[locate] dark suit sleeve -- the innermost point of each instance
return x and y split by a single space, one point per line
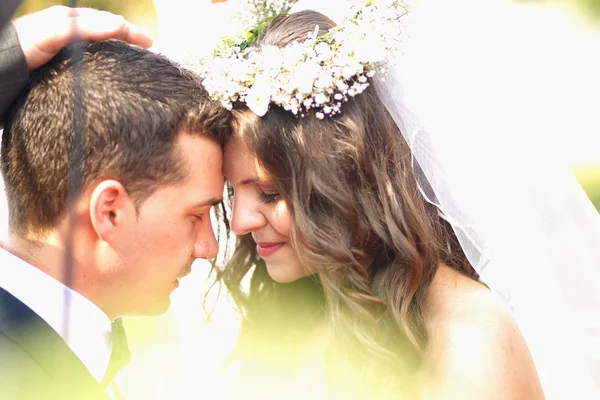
7 9
13 68
21 377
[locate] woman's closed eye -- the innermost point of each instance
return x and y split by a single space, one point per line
268 198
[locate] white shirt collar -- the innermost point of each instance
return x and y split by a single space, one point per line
88 330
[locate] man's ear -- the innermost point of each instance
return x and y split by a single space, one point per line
109 205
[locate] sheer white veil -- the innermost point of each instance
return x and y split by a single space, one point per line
526 226
492 164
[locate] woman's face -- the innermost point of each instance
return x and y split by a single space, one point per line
259 210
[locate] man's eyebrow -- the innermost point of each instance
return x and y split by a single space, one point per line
249 180
210 202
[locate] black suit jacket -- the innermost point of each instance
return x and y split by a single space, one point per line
13 68
35 362
7 9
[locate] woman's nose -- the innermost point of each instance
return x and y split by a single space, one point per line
246 217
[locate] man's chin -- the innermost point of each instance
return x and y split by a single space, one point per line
155 308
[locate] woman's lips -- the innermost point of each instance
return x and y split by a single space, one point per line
266 249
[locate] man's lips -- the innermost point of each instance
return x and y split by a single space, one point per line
184 274
266 249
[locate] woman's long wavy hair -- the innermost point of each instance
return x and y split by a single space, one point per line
359 221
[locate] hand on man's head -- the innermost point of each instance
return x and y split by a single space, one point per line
44 33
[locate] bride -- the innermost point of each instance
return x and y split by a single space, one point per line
362 261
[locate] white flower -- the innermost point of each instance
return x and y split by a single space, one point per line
325 80
324 52
370 49
321 99
270 53
278 97
342 86
258 96
305 75
348 72
336 71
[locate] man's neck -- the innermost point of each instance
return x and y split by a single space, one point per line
82 325
46 255
85 276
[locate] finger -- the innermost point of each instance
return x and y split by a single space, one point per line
93 24
133 34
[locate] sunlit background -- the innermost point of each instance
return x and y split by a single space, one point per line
180 356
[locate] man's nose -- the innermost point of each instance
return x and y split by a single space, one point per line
206 246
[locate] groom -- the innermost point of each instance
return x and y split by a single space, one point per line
91 242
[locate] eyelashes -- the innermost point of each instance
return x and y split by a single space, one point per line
268 198
265 198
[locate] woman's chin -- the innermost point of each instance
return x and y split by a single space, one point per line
286 273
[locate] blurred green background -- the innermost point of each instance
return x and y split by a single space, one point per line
590 8
589 178
143 10
140 12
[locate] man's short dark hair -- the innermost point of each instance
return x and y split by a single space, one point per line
133 105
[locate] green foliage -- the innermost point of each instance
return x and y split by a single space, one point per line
594 194
115 6
590 8
589 178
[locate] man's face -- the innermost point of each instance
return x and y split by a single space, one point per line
172 229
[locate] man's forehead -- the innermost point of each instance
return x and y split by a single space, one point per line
207 203
201 156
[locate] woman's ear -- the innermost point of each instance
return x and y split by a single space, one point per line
109 205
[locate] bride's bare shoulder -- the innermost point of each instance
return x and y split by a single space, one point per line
475 349
452 298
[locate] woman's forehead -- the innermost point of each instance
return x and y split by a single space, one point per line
240 164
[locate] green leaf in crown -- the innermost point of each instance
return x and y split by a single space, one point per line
255 16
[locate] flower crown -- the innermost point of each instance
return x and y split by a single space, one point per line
319 73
